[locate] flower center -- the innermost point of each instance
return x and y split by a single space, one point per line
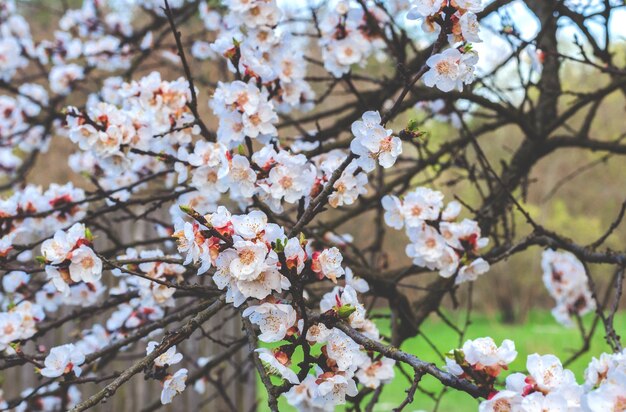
211 177
87 263
502 405
255 119
286 182
444 67
246 256
242 99
385 145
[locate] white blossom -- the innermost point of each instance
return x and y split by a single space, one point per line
276 366
63 359
373 143
167 358
173 385
274 320
424 8
372 374
328 263
450 70
85 265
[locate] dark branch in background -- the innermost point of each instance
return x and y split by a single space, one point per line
193 105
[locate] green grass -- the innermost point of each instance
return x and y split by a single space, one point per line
538 334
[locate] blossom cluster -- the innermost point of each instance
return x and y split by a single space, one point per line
278 176
125 121
481 359
566 280
70 258
94 32
274 176
243 249
30 214
16 114
454 67
549 386
269 67
24 311
243 110
94 36
15 37
172 384
373 144
605 383
17 321
438 240
117 139
72 281
349 36
342 364
253 259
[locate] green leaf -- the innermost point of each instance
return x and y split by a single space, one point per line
241 149
459 356
279 246
345 311
186 209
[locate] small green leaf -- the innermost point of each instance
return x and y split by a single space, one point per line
88 234
459 356
345 311
280 246
186 209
